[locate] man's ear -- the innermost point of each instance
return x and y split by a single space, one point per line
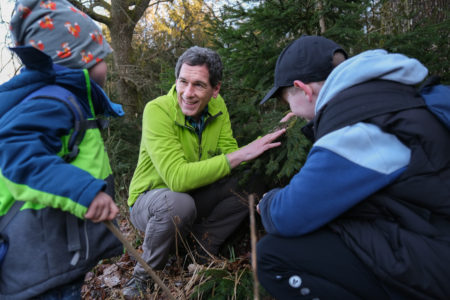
305 87
216 89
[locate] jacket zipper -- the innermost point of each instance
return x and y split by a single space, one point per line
199 135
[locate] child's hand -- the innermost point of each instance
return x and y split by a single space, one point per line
102 208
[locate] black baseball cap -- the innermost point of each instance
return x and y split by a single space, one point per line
309 59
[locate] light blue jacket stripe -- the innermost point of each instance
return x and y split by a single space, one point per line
368 146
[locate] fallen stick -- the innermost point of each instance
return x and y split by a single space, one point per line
251 206
138 257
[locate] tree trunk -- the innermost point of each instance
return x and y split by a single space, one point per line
121 30
121 36
122 19
321 17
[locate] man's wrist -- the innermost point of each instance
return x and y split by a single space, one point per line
234 158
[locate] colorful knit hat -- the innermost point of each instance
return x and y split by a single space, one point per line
56 27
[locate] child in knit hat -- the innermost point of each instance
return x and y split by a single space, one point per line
56 183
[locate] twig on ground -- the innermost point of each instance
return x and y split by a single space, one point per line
136 255
251 207
204 249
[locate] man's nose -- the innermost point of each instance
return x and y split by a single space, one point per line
189 91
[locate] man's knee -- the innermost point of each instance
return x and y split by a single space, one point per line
162 207
183 211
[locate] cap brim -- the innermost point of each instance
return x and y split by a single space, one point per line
269 94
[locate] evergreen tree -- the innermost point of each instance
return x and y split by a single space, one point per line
250 35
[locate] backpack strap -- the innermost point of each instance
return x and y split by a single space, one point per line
12 212
362 102
81 124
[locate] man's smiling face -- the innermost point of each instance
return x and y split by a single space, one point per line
194 90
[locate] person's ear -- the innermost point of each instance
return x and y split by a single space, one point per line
305 87
216 90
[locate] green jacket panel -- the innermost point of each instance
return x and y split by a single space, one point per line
92 158
173 156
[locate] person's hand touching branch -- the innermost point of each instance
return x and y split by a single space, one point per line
287 117
255 148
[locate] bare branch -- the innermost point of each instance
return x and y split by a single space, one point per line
90 10
142 6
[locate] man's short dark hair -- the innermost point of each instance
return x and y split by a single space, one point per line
198 56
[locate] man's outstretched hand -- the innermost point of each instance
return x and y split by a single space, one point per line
102 208
255 148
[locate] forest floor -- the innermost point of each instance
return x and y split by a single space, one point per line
231 271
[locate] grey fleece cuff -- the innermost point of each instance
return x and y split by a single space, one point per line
264 208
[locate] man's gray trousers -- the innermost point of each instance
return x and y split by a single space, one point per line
211 213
